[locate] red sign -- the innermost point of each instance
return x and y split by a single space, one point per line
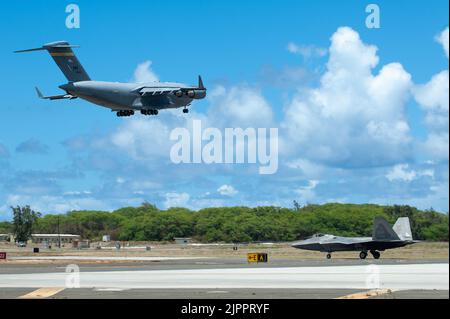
2 255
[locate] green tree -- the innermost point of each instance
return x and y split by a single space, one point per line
23 220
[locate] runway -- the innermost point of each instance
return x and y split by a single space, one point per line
395 277
157 277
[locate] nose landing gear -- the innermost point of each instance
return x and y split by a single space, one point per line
328 256
363 255
185 111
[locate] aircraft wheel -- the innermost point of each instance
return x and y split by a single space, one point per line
363 255
375 254
155 112
328 256
185 111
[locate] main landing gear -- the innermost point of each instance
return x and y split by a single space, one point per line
149 112
375 254
125 113
363 254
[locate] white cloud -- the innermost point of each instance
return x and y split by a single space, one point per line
442 38
239 106
227 190
176 200
144 73
307 51
307 192
434 99
354 118
401 172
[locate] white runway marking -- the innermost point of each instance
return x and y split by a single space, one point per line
395 277
103 258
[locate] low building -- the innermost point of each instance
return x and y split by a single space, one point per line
182 240
5 237
54 238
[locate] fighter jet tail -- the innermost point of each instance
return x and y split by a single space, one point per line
66 60
402 228
382 231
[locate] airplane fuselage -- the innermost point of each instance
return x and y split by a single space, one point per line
128 96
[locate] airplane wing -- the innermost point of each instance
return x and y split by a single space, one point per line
150 91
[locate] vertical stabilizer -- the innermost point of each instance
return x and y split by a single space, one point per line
383 231
66 60
402 228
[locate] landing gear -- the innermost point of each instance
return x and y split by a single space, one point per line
149 112
125 113
375 254
185 111
363 255
328 256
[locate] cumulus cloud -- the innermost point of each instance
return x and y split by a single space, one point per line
227 190
239 106
354 118
32 146
434 99
442 38
176 200
144 73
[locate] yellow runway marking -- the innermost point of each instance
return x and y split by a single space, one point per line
42 293
367 294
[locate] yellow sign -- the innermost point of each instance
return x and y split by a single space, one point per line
257 257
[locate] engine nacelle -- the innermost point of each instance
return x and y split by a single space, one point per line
196 94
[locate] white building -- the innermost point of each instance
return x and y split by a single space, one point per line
54 238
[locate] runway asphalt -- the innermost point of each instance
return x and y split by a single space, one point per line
229 278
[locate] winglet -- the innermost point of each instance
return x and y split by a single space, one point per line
200 83
39 93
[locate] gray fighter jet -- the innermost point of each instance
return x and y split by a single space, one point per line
383 237
122 98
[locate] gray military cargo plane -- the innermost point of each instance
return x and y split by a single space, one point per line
122 98
383 237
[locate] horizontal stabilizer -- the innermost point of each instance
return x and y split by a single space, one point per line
54 97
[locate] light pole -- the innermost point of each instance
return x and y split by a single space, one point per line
59 236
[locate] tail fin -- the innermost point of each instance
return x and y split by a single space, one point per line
200 83
66 60
383 231
403 229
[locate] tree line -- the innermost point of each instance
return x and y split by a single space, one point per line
237 224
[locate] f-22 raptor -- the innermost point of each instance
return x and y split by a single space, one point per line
122 98
383 237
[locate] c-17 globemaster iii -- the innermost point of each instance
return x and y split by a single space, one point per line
383 237
122 98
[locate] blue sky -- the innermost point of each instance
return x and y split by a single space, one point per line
388 146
